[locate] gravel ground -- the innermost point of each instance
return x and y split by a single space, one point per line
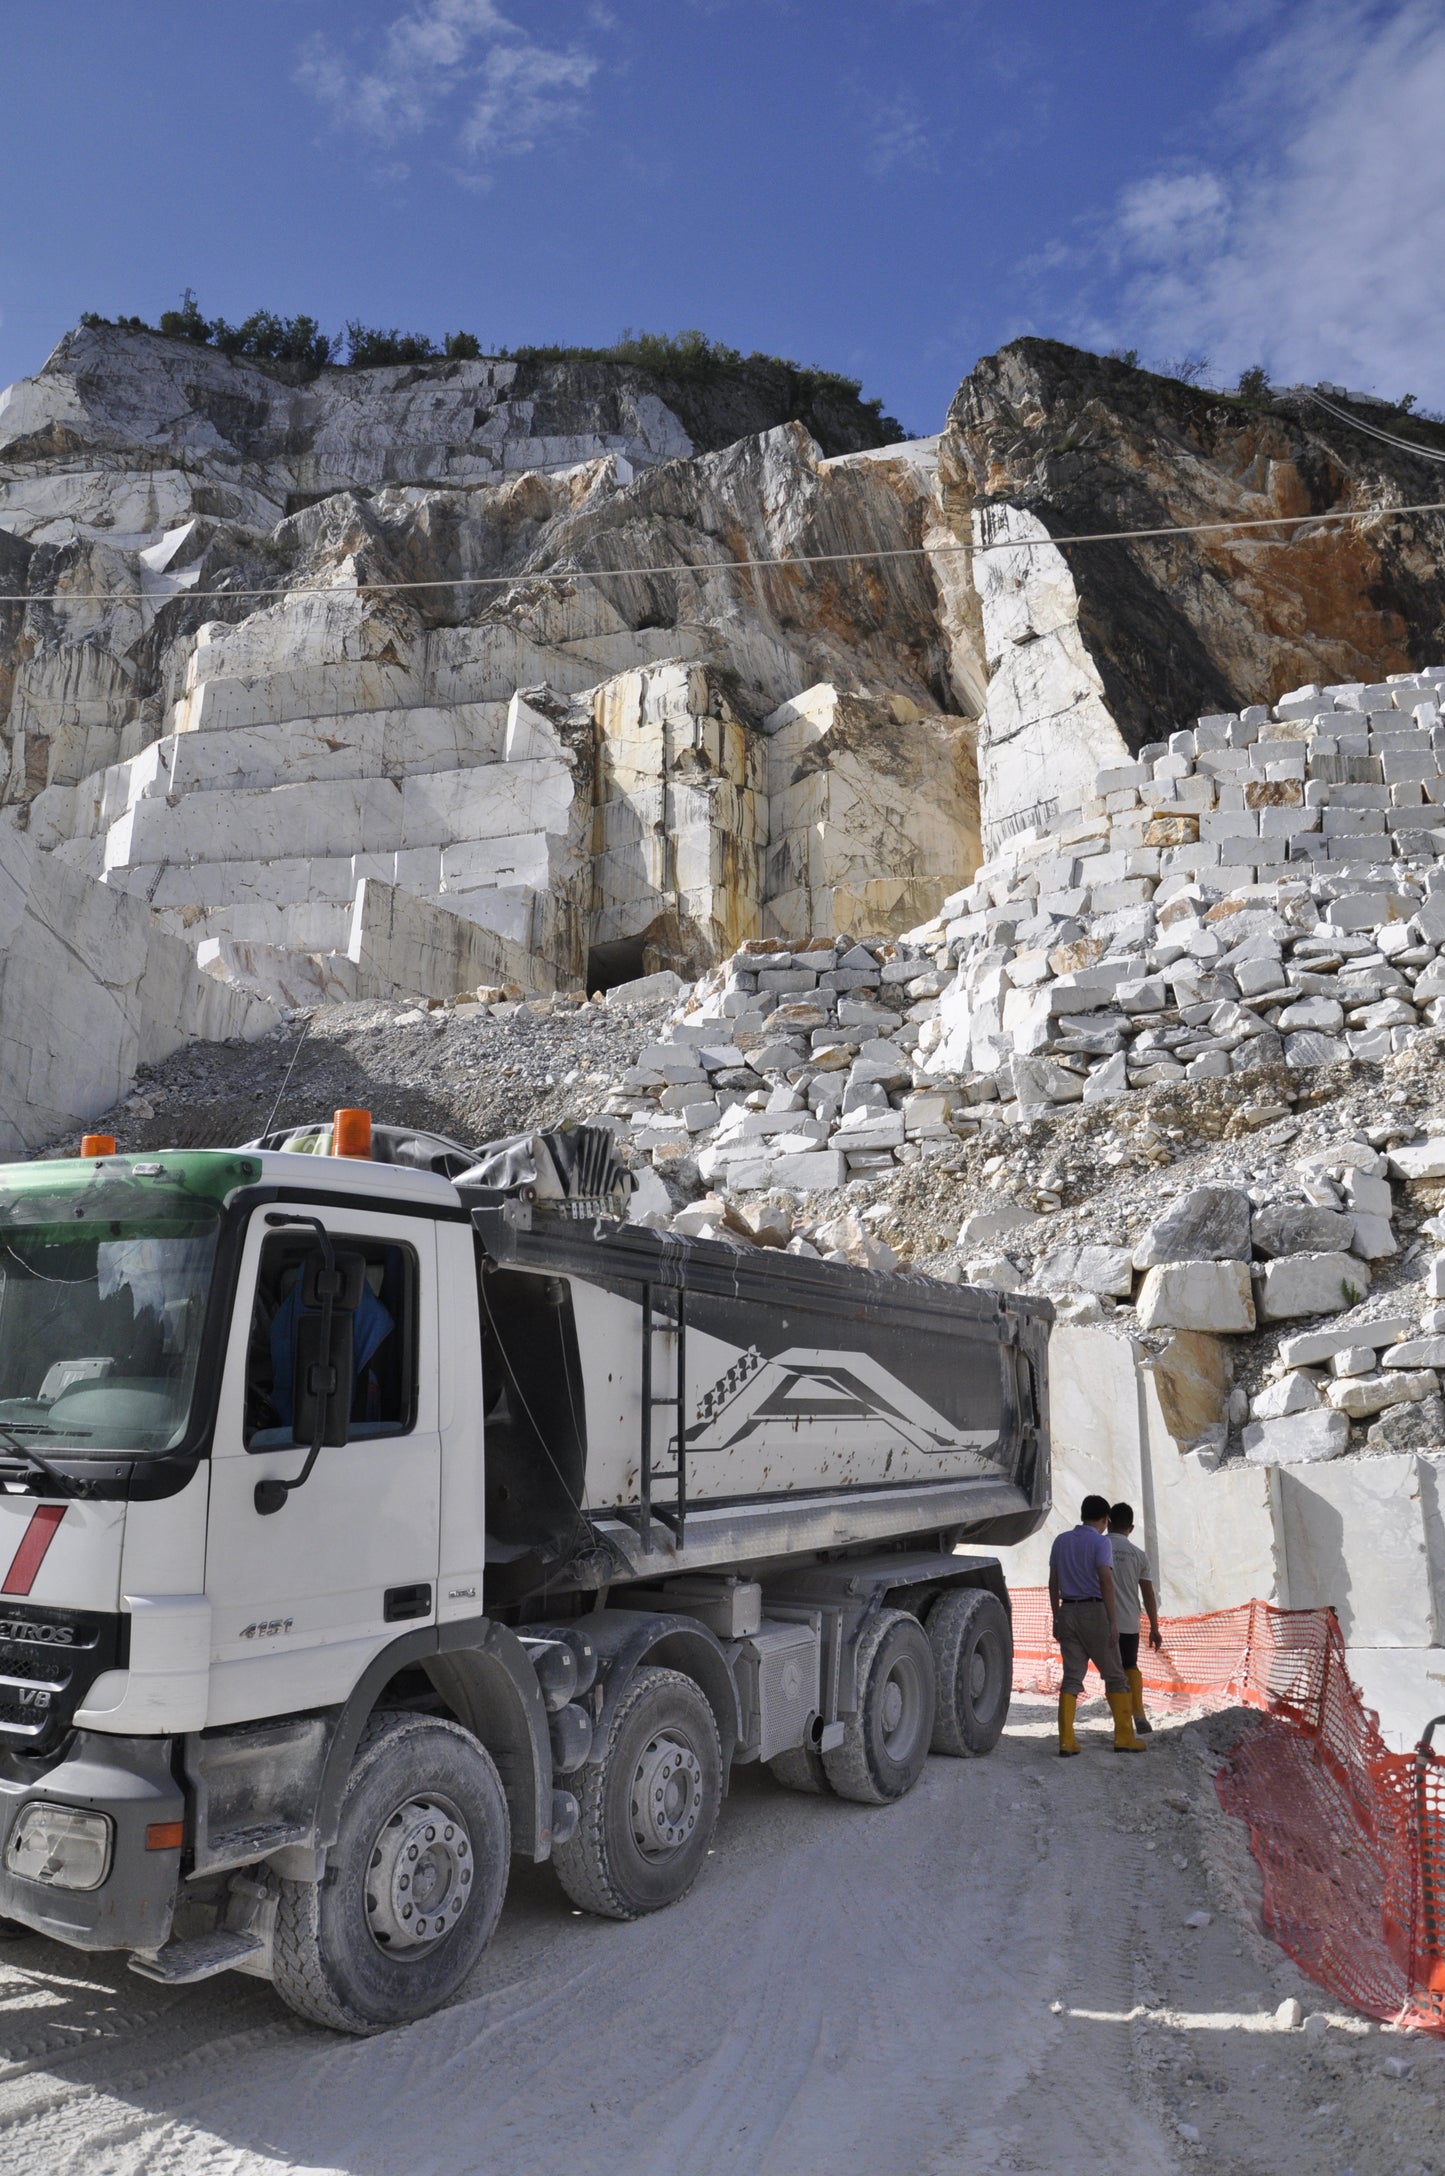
994 1975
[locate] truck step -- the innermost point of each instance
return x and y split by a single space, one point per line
179 1963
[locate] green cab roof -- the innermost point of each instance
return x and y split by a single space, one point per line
164 1185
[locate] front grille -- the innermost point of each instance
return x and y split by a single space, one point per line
49 1659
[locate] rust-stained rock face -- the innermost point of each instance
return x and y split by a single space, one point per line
1045 441
1087 443
1193 1376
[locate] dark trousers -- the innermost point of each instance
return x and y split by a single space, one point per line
1129 1650
1082 1631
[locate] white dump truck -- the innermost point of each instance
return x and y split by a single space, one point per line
375 1510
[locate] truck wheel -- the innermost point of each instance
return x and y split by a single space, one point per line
801 1769
412 1888
886 1742
973 1648
650 1805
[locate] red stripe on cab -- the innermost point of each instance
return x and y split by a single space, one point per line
34 1542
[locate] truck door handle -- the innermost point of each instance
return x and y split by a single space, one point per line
399 1603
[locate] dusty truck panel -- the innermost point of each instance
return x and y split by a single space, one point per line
378 1510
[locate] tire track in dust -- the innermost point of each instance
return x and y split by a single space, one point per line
100 2107
321 2081
768 2052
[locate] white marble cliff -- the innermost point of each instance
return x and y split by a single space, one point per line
497 656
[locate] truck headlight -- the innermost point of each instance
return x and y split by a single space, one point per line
61 1846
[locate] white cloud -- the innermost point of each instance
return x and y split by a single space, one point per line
1170 212
898 136
526 90
1316 248
457 62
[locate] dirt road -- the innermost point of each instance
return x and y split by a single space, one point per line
994 1975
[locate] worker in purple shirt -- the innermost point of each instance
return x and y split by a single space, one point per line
1081 1595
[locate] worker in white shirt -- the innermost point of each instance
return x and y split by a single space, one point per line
1133 1580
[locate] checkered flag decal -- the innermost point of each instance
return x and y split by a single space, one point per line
728 1385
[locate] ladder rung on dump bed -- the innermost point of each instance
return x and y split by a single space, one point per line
673 1515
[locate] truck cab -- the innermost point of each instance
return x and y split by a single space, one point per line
368 1519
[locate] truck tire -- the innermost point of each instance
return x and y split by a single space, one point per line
423 1823
972 1642
886 1742
650 1805
801 1769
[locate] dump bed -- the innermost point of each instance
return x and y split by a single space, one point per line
816 1406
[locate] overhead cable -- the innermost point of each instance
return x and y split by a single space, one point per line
1372 430
563 572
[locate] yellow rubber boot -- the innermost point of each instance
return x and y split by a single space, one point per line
1068 1743
1143 1728
1124 1738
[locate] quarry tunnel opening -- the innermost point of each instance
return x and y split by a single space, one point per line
626 960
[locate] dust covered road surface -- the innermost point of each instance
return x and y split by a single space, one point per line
993 1975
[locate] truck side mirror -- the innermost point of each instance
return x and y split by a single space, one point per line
322 1377
324 1368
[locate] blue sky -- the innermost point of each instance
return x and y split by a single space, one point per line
885 187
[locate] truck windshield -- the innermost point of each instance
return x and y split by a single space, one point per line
103 1293
100 1328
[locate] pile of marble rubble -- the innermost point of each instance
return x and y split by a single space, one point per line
1261 890
782 1081
1265 888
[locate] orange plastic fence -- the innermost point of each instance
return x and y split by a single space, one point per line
1349 1837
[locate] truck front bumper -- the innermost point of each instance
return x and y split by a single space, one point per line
128 1780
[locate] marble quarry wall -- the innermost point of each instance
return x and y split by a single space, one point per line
90 989
708 754
598 778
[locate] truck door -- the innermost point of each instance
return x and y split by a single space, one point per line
302 1598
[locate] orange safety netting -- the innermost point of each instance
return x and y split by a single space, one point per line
1349 1837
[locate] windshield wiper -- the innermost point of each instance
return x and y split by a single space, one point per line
39 1428
64 1484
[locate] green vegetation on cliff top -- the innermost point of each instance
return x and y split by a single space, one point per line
683 356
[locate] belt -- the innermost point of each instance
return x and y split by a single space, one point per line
1080 1601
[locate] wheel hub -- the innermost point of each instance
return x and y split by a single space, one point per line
666 1796
420 1876
977 1674
897 1708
